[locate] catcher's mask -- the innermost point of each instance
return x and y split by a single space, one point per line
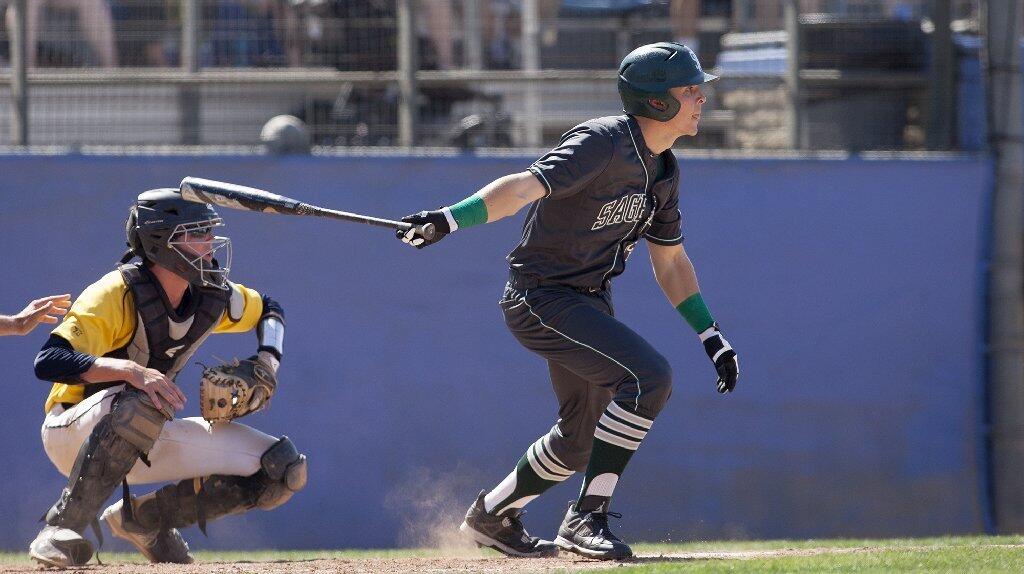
178 235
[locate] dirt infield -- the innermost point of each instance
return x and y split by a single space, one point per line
465 562
332 565
410 565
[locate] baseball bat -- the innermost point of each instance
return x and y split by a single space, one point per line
252 199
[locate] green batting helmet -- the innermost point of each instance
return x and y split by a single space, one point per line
650 71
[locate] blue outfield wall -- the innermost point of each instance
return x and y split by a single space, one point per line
851 288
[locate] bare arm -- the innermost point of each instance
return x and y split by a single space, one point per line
505 196
150 381
674 272
107 369
57 361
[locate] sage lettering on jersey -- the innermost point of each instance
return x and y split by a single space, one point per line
626 209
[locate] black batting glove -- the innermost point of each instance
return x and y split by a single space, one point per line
721 354
414 238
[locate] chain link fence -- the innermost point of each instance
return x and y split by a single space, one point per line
796 74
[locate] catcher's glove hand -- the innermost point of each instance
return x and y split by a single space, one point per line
236 389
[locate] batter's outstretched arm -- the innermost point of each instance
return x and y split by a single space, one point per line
501 198
674 273
507 195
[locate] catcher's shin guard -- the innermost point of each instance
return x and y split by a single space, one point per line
191 501
282 474
104 459
156 543
112 449
173 506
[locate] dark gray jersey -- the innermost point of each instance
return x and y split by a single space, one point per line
602 197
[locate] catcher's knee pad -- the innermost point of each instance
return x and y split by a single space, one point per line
284 474
106 457
136 419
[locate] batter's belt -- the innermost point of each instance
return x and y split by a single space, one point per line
524 281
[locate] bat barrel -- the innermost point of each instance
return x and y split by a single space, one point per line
252 199
235 196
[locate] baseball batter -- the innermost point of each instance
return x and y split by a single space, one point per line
109 416
610 182
42 310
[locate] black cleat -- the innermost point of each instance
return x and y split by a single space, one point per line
504 533
587 534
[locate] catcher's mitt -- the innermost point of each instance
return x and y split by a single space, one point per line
236 389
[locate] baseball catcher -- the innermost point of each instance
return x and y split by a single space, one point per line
110 414
609 183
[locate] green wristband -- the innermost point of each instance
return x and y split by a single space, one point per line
469 212
696 312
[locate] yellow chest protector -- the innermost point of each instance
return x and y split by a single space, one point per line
164 338
168 339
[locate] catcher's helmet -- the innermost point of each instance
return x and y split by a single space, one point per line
649 71
158 228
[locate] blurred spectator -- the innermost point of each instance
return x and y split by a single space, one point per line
93 19
684 15
499 34
700 24
235 33
902 9
349 34
148 32
498 25
501 21
245 33
440 18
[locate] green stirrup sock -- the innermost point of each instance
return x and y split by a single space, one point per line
537 471
696 312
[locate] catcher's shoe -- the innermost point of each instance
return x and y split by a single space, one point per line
60 547
587 534
158 545
504 533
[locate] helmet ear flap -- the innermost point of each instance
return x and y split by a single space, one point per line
131 232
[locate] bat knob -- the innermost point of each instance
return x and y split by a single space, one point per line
427 231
